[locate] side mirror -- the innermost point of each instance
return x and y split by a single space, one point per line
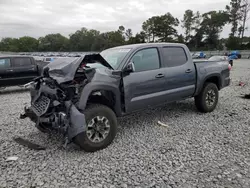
130 67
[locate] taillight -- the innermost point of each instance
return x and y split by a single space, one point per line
229 67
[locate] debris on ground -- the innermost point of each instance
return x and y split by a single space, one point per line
242 84
28 144
232 113
12 158
246 96
162 124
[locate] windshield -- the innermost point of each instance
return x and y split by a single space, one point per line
115 56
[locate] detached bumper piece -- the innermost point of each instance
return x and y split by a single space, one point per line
28 144
77 122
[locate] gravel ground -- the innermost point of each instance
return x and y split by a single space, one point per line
195 150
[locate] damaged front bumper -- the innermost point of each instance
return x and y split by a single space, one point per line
70 123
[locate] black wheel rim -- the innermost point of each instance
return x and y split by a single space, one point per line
98 129
210 98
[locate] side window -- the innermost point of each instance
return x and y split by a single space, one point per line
4 63
21 62
147 59
174 56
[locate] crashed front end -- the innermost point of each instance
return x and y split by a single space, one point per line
52 109
55 94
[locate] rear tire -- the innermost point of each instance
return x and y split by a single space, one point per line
99 114
207 99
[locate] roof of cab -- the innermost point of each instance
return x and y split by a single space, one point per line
9 56
133 46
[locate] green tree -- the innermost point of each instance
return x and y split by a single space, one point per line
53 42
196 40
82 40
113 38
121 29
188 23
180 39
244 15
149 28
28 44
234 14
212 25
138 38
233 43
9 44
166 27
128 34
161 27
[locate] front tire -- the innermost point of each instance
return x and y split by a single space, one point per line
101 125
207 99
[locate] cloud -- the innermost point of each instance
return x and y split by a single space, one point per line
40 17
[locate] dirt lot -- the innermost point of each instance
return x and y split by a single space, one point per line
195 150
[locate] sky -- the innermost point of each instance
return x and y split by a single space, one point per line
37 18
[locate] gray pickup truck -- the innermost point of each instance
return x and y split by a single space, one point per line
83 96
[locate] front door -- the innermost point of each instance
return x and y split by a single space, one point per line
144 87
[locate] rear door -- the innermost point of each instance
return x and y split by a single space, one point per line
180 73
145 86
24 69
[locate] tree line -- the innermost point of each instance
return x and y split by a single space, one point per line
202 32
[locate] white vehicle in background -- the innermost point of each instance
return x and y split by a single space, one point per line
221 58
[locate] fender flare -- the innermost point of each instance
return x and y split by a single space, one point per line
217 75
96 86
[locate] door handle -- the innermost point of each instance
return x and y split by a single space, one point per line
188 71
159 75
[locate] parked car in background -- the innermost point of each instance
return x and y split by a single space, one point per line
48 59
18 70
221 58
199 55
235 55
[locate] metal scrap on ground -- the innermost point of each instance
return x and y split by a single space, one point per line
28 144
246 96
12 158
162 124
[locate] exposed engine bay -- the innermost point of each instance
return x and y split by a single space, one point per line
55 94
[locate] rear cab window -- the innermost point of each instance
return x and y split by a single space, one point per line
174 56
21 62
5 63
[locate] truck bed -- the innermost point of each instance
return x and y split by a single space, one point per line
217 69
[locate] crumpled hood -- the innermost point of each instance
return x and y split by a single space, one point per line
64 69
